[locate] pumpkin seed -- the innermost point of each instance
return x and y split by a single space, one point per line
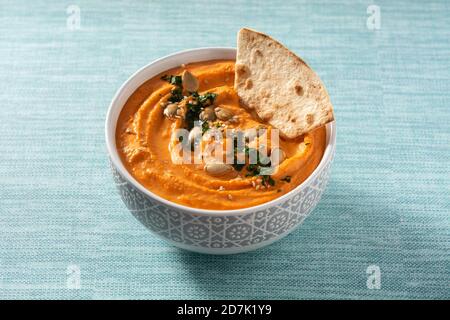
171 110
180 112
190 82
218 169
208 114
223 113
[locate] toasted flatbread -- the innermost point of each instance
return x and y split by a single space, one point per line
279 86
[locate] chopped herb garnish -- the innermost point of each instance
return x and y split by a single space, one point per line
176 95
177 92
205 127
238 166
195 107
207 99
267 180
175 80
253 170
287 179
192 115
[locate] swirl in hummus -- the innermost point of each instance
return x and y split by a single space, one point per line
144 139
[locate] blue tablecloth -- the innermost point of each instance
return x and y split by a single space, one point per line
64 232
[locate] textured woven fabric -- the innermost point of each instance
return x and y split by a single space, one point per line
64 232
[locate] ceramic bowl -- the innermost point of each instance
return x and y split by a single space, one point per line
211 231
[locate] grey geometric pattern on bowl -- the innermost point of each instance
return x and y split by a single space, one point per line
227 233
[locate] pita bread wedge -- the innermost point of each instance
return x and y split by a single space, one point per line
279 86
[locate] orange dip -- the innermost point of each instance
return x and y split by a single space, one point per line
144 134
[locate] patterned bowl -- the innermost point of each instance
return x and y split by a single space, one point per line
211 231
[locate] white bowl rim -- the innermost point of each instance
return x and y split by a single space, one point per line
110 132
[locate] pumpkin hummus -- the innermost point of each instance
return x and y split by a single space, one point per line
144 138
